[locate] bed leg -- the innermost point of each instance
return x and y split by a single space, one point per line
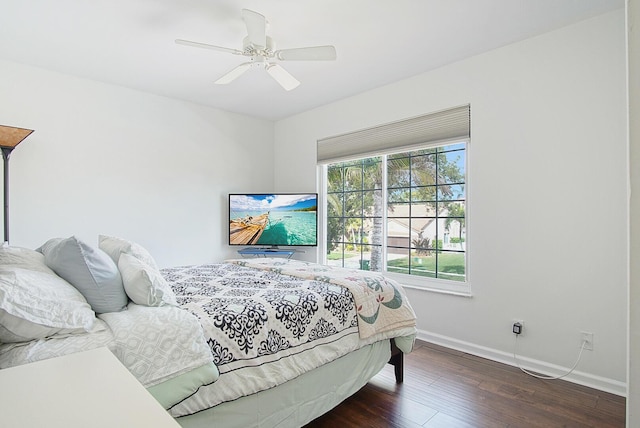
397 361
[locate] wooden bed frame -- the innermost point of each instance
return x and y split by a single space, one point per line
397 361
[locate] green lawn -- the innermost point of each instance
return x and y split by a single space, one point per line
338 256
450 266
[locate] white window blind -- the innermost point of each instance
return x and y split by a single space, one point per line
434 128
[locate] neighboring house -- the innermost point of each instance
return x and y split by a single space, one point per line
403 232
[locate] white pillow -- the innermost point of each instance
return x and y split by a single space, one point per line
88 269
144 284
35 305
115 246
23 257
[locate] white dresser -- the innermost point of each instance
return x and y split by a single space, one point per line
87 389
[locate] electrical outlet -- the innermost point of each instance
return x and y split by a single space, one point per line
587 339
517 327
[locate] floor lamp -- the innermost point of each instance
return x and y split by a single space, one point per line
10 137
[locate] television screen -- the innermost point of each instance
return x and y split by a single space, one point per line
273 219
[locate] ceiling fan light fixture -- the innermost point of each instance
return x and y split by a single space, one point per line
260 48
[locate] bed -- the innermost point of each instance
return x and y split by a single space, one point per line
248 342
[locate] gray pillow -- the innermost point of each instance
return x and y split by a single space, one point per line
88 269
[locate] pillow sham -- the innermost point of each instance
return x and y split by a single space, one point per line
35 305
115 246
89 270
144 284
23 257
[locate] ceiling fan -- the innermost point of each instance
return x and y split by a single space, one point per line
261 51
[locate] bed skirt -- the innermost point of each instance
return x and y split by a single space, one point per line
301 400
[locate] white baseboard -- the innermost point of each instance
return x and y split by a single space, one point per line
542 367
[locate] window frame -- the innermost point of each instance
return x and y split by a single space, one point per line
460 288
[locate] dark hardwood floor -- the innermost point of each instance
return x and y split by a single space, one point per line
448 388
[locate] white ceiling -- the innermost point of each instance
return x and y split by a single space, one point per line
131 42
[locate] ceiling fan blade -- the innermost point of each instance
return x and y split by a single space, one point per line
233 74
282 76
256 27
314 53
207 46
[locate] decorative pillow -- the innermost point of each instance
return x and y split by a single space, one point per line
35 305
144 284
90 270
23 257
115 246
51 243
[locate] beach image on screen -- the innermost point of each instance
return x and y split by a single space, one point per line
273 219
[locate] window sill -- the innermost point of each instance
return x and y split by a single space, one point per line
443 287
439 290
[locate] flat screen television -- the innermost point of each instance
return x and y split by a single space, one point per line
273 219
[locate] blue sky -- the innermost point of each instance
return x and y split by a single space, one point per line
272 202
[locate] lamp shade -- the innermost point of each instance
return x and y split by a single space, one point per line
11 136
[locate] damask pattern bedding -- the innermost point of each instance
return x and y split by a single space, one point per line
265 327
380 302
262 326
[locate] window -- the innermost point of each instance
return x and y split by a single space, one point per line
426 212
400 213
355 213
396 201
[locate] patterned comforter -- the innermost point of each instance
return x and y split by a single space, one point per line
265 326
380 302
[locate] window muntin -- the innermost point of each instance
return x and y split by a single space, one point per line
402 213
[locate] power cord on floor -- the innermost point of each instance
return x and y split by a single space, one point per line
515 357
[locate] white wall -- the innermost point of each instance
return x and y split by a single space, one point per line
548 225
106 159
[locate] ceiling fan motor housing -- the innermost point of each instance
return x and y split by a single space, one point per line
250 49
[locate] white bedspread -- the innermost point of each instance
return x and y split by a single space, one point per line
15 354
155 344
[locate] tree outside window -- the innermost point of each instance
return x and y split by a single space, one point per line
424 216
